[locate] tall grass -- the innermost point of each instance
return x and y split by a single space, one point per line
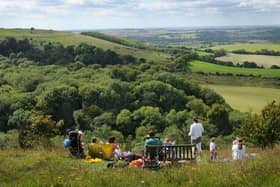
53 167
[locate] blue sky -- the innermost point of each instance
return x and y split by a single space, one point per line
100 14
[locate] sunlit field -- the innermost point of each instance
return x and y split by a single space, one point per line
199 66
261 60
251 47
247 99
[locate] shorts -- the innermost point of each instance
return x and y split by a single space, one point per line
197 143
198 146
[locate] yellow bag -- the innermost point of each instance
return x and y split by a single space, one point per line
96 160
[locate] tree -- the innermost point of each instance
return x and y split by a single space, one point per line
159 94
5 112
103 132
150 117
182 61
21 120
84 117
220 52
125 123
197 105
218 115
44 127
60 103
210 97
107 118
262 129
32 29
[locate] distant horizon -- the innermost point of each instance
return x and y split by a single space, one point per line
186 27
154 28
121 14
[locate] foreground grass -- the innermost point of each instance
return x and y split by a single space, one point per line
251 47
199 66
45 168
247 99
69 38
264 60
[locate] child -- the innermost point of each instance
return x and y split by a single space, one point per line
212 149
238 150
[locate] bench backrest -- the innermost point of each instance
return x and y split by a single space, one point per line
170 153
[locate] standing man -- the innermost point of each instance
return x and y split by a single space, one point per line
195 133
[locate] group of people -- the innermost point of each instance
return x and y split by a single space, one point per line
196 130
195 133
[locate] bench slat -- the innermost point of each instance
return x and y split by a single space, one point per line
170 153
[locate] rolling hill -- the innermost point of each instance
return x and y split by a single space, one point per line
70 38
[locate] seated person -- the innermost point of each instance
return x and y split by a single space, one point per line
167 142
238 150
94 140
152 140
116 148
76 146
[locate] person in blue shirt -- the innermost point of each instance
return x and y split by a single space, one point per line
152 140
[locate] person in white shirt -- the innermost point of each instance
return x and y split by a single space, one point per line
195 133
212 149
238 150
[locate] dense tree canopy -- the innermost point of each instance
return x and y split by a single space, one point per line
50 89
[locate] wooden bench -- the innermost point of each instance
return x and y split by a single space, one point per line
154 154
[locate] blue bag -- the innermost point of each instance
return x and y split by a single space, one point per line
67 143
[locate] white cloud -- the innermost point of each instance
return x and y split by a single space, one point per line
206 5
122 12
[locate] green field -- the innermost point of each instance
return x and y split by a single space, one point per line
251 47
199 66
247 99
264 60
69 38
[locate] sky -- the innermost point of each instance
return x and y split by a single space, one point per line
108 14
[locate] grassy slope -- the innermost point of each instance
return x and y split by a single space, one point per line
68 38
247 99
115 39
199 66
54 168
249 47
266 61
